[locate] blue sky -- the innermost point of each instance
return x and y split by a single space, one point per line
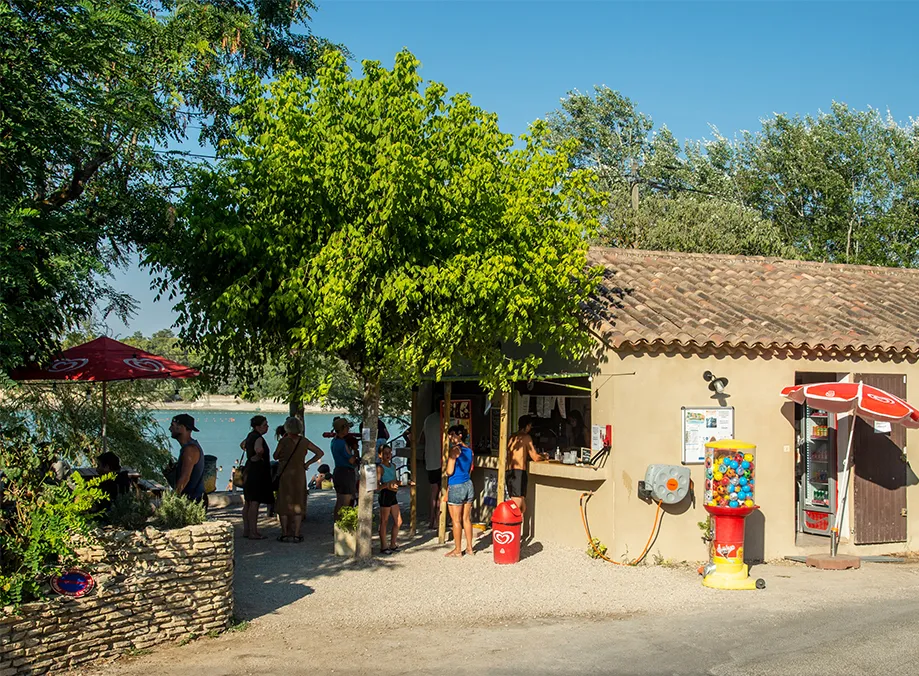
688 65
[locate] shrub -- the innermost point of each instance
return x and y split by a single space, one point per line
347 519
41 521
129 512
597 549
177 511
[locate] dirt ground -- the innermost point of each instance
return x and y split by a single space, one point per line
305 611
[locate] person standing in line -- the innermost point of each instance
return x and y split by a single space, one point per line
190 482
432 440
388 487
459 490
344 478
257 489
520 450
291 457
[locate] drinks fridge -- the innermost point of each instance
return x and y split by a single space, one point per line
817 483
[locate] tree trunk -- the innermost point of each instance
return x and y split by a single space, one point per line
295 390
368 459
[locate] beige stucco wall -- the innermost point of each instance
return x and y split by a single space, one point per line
641 395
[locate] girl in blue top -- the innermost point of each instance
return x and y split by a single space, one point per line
459 490
388 486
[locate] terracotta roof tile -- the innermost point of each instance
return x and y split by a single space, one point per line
665 298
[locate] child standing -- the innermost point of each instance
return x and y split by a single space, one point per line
388 486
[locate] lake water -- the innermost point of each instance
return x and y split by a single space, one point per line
221 432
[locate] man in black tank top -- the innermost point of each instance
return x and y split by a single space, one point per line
190 482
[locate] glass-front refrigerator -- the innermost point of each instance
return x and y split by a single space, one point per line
817 442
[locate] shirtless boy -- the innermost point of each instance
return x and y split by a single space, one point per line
520 451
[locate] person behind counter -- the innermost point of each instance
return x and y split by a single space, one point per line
520 450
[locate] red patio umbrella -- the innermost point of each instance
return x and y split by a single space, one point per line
870 403
104 360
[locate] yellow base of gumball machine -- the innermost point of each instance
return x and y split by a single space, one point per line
727 575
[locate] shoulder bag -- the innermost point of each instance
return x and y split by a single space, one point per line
276 480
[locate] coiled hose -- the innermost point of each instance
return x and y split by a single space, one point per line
590 540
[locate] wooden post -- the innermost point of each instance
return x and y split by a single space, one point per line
413 520
104 416
502 445
445 447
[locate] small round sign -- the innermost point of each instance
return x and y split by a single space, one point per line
75 583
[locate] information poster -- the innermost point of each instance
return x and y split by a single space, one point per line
495 429
461 414
701 425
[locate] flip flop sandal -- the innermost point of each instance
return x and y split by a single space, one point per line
283 538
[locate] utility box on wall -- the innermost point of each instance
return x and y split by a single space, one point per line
666 483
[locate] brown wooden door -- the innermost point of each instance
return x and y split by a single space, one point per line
880 472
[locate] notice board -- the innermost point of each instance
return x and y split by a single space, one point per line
701 425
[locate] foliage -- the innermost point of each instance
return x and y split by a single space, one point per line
93 92
347 519
840 186
707 528
129 511
688 200
843 186
177 511
596 549
40 520
71 413
393 228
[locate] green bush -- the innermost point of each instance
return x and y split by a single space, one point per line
347 519
129 512
177 511
41 522
597 549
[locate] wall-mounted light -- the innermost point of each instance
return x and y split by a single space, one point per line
716 385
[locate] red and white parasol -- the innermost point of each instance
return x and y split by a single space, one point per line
867 402
105 360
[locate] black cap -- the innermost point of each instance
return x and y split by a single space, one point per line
186 421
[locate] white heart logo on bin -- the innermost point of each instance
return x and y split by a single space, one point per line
504 537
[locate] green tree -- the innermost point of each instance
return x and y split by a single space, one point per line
842 186
384 224
688 197
91 93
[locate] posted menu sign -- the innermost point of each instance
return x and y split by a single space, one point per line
701 425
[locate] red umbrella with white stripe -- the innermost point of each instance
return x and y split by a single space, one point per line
870 403
105 360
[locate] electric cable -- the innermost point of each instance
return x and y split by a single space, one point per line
590 540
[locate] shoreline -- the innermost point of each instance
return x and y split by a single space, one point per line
221 402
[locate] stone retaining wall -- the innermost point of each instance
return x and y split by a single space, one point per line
151 587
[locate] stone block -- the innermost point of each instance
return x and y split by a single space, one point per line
829 562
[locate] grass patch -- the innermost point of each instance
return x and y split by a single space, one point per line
237 624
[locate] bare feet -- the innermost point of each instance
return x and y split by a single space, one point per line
470 552
453 554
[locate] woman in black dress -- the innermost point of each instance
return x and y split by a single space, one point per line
257 488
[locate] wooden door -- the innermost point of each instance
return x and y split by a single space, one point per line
880 472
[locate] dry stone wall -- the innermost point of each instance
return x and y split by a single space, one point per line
151 586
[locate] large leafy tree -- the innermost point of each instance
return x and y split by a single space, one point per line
843 186
91 95
385 224
687 197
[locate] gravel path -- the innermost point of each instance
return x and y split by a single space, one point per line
299 596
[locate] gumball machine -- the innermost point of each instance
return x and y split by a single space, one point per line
730 486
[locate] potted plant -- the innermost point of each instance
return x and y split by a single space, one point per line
345 532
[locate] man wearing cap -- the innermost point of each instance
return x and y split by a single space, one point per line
343 478
191 458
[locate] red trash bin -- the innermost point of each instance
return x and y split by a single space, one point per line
505 532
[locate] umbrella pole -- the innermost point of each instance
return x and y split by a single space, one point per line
834 536
104 414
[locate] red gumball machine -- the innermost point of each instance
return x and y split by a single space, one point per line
730 486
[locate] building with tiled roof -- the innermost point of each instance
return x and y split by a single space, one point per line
673 329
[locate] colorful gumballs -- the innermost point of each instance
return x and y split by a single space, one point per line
708 462
742 481
748 503
718 476
748 457
745 464
734 503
